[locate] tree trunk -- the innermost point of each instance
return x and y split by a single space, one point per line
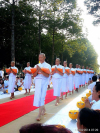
12 35
53 49
62 55
39 26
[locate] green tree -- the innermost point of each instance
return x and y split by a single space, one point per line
93 7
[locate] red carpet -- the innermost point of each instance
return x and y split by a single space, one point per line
12 110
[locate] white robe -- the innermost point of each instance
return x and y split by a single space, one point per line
87 77
96 105
71 81
76 79
65 81
84 75
28 79
90 87
41 83
57 81
12 79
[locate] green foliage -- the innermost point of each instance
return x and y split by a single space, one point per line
54 24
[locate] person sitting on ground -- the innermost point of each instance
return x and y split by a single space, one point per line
6 83
2 86
88 121
20 84
95 104
90 87
39 128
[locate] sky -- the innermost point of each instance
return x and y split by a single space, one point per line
93 31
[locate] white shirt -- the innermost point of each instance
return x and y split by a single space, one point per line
11 74
57 75
96 105
43 65
29 69
91 86
65 74
5 83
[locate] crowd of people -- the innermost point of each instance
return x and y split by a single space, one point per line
64 79
88 121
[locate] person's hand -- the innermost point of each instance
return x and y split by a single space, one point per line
87 103
38 68
25 71
56 69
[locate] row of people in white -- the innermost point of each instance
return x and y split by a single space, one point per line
42 79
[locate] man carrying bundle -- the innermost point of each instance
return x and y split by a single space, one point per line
57 75
42 74
71 79
65 80
28 79
77 78
12 71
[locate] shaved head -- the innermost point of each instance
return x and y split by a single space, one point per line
12 63
57 62
65 63
42 54
42 57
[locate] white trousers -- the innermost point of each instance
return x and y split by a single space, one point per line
71 84
64 87
11 84
40 91
76 81
57 82
27 82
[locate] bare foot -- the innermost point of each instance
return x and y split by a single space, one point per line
61 98
56 104
10 97
38 118
44 112
28 93
25 93
13 97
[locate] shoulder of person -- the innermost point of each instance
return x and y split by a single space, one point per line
48 64
53 66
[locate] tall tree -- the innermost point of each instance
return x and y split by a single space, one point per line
93 7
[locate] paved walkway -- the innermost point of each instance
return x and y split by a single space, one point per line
55 114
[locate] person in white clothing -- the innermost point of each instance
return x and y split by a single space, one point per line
95 104
65 81
77 78
71 79
41 83
6 83
80 76
83 77
28 78
57 76
12 78
91 86
1 73
87 76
